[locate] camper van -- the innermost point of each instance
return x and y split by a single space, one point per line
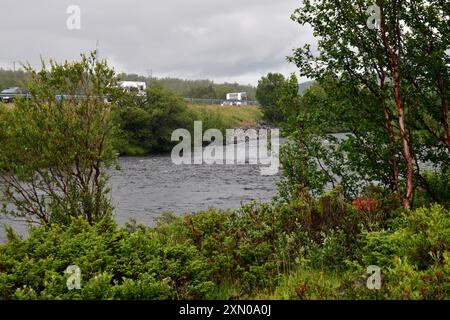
236 99
133 86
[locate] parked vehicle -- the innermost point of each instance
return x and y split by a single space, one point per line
232 102
8 95
133 86
236 99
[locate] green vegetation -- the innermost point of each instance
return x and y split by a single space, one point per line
199 89
146 125
10 78
268 94
306 249
394 103
53 153
299 247
384 209
228 117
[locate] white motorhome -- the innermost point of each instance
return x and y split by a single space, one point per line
236 99
134 86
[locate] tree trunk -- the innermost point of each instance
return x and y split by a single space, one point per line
393 160
405 140
444 106
393 58
390 132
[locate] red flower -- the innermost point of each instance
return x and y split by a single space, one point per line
364 204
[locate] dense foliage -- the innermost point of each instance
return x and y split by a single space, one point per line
299 250
376 195
380 86
268 93
146 123
54 151
199 89
10 78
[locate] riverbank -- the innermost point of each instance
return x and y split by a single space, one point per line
304 249
146 126
228 117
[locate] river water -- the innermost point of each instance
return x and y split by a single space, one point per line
150 186
147 187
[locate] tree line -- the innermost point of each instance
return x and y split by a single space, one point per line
197 89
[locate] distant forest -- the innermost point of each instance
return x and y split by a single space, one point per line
200 89
9 78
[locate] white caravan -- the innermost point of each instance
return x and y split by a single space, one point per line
236 99
133 86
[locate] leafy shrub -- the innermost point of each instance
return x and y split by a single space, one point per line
434 188
147 123
55 146
115 264
304 249
414 255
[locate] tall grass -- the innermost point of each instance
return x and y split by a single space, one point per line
226 117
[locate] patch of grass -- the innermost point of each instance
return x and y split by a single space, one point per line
305 284
226 117
227 290
2 105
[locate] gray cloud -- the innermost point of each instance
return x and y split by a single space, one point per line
215 39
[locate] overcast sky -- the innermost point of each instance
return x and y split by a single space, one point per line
222 40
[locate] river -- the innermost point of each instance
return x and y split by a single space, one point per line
147 187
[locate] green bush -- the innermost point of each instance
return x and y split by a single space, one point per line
115 264
303 249
434 187
147 123
56 146
414 255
